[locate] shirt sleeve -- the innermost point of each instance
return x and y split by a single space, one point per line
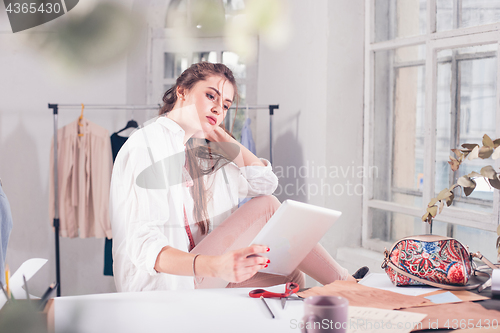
257 180
141 192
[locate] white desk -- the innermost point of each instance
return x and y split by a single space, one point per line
208 310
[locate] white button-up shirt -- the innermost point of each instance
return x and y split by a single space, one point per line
147 198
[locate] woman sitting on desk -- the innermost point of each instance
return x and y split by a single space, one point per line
174 199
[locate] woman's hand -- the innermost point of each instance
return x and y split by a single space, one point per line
240 265
218 135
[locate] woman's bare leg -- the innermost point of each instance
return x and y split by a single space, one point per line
320 265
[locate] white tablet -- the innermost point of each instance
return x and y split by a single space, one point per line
292 232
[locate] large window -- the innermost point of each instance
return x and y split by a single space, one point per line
185 40
431 85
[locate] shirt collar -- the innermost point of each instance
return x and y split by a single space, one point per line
172 126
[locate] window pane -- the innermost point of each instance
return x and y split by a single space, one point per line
242 92
399 18
476 12
446 11
477 240
233 61
469 74
174 64
453 14
205 56
241 114
390 226
443 126
399 126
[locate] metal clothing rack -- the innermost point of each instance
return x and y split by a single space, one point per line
55 110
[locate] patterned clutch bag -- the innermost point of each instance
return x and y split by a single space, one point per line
431 258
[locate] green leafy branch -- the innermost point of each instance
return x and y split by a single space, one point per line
469 151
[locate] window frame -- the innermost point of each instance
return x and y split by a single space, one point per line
434 42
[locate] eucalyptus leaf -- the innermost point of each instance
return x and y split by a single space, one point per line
454 164
467 184
496 142
465 181
427 218
468 147
444 194
432 202
487 141
496 153
469 190
474 153
489 172
432 210
457 152
441 206
485 152
449 200
474 174
495 183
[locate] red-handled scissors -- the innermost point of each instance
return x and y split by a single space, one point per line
290 288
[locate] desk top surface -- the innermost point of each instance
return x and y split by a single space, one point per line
208 310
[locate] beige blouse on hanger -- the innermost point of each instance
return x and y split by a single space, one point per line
84 176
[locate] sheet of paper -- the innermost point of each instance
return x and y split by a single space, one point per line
464 295
382 281
372 320
463 315
445 297
16 283
359 295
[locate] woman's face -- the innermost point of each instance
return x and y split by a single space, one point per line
212 98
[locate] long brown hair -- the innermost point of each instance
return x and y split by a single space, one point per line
200 159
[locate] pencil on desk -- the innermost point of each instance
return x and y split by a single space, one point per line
26 288
3 289
46 295
7 274
267 306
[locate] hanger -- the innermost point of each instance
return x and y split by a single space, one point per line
130 124
80 120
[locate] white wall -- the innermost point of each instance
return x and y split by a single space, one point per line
318 81
345 105
295 78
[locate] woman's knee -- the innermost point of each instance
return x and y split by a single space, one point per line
269 201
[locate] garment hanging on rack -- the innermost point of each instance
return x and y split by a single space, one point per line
247 141
246 136
117 141
5 229
84 176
